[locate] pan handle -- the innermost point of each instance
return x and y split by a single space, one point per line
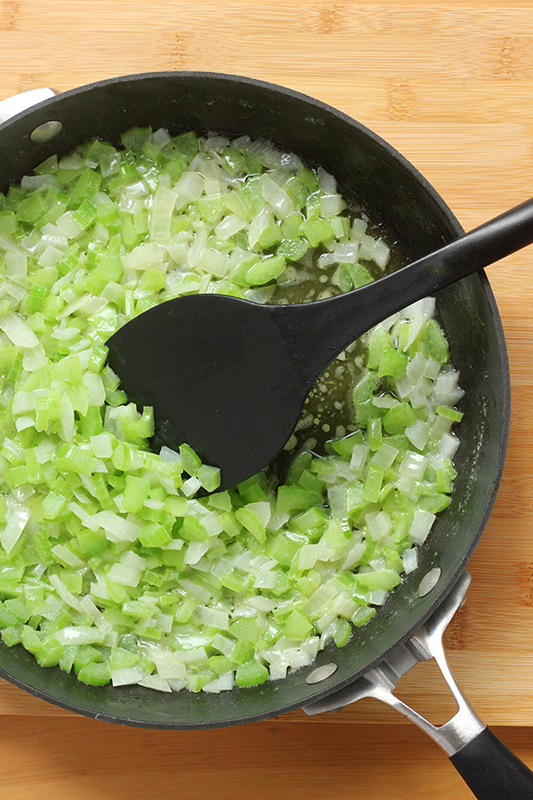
490 770
14 105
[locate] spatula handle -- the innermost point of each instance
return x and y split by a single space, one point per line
332 324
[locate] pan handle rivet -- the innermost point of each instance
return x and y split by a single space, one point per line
429 581
321 673
46 131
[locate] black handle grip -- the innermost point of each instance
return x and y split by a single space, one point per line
492 771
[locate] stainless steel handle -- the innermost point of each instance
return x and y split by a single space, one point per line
12 106
381 681
490 770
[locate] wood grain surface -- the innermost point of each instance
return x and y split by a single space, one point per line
451 86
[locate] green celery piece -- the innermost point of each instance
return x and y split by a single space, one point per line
282 586
335 536
435 503
292 498
445 479
50 652
66 660
374 435
31 640
109 268
192 530
249 520
31 209
233 159
252 673
362 616
233 581
153 280
311 482
136 138
308 178
450 413
7 619
265 271
197 680
10 588
290 227
360 275
95 674
209 477
210 208
297 627
91 543
292 249
220 664
242 652
252 493
317 231
245 630
154 535
18 608
221 501
136 492
12 634
373 483
379 342
45 277
53 505
270 236
8 223
186 143
311 521
298 192
384 580
398 418
343 278
364 389
392 364
86 187
85 654
85 214
34 299
436 343
300 463
309 583
342 633
283 549
71 458
185 610
190 461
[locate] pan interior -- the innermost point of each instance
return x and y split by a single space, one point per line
417 218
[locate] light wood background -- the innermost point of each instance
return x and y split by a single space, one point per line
451 86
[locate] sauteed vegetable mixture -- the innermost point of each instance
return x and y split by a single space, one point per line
110 565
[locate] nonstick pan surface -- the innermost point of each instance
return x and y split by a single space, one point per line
394 193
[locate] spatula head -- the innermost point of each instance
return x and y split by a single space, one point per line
219 375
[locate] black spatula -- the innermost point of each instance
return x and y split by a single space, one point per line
229 377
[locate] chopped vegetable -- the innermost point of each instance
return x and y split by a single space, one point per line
110 565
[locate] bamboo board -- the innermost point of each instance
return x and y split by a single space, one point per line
451 86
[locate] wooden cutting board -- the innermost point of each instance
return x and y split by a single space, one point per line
450 86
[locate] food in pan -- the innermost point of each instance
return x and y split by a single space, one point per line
109 564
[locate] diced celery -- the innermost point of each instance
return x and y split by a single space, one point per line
252 673
95 674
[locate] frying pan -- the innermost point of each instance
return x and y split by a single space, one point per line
409 626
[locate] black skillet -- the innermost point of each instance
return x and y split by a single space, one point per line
419 221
